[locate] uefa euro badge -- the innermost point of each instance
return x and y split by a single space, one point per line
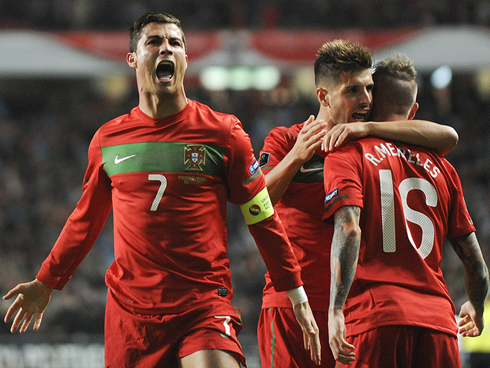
194 157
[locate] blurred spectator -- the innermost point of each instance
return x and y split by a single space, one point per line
46 125
216 14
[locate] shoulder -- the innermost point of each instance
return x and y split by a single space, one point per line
212 115
284 135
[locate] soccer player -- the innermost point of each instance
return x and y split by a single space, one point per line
167 170
292 160
392 205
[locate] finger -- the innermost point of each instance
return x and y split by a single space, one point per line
340 139
17 321
38 321
12 292
11 311
347 347
464 321
26 323
316 350
309 120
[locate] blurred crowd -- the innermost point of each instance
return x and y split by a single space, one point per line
217 14
46 126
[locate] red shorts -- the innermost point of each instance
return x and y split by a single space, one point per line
405 347
135 340
281 340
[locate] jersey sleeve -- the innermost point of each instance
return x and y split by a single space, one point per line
276 147
83 226
342 180
246 182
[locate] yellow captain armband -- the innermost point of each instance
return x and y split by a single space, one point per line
258 208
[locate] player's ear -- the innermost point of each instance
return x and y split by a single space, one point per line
131 59
322 95
413 111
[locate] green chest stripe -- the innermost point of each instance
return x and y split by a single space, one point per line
169 157
311 171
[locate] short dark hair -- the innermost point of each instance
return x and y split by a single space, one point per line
144 20
399 67
339 56
398 75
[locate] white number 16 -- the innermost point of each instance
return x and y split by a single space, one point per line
388 212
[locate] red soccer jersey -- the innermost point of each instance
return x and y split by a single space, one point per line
411 199
301 211
167 181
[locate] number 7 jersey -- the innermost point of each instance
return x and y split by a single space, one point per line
411 199
168 182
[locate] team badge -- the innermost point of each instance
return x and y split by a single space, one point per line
194 157
264 158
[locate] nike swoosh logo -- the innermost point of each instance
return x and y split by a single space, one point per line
303 170
118 160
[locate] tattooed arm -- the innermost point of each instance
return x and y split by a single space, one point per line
343 262
476 283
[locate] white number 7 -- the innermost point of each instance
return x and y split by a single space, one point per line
226 323
163 185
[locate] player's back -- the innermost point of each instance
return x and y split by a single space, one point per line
411 199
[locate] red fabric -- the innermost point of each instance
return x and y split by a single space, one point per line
405 347
281 340
403 285
301 210
170 236
133 340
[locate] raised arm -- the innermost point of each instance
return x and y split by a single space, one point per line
343 262
437 137
307 142
476 283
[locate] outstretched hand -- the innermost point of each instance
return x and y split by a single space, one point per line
471 323
32 299
311 338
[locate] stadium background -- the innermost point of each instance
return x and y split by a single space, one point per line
62 75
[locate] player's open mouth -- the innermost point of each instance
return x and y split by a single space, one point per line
165 71
359 116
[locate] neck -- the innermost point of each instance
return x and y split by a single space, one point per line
324 114
158 107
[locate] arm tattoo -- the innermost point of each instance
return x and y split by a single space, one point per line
476 271
344 253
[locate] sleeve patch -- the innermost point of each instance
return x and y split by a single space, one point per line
264 158
254 167
334 193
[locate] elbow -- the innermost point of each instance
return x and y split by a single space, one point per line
352 231
452 139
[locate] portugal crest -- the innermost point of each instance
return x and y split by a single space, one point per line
194 157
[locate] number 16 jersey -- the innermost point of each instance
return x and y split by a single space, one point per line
411 199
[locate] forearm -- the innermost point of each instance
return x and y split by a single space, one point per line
476 271
438 137
277 253
344 255
279 178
